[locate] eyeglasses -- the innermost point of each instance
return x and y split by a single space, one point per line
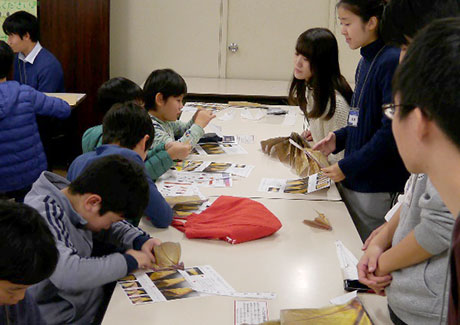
390 109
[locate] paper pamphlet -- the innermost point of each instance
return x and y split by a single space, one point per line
213 148
199 179
304 185
348 262
144 287
242 170
250 312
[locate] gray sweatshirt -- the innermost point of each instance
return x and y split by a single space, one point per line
416 292
74 291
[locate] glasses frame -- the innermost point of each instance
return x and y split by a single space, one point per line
390 109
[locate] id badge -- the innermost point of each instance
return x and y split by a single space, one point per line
353 117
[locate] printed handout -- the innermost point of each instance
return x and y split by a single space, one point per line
242 170
145 287
304 185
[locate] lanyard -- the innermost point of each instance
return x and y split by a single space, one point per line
355 104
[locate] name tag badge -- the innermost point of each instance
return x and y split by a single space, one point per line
353 117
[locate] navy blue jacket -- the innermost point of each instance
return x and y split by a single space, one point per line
22 158
45 74
158 211
24 312
372 163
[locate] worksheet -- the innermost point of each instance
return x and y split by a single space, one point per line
197 178
143 287
218 148
304 185
242 170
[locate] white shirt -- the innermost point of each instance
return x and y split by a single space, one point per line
32 55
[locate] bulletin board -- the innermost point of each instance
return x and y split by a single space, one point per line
8 7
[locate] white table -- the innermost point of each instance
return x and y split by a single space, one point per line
298 263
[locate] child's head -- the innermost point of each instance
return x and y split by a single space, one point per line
316 64
426 94
6 59
402 19
118 90
128 125
27 248
164 91
110 189
360 21
22 30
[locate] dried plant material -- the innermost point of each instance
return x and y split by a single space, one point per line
320 222
352 312
173 200
295 151
245 104
167 256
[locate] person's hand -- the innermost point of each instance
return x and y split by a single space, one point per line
371 236
367 267
334 172
307 135
326 145
147 248
202 117
144 261
178 150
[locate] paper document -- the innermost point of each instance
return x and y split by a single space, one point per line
250 312
343 299
150 287
199 179
242 170
348 262
304 185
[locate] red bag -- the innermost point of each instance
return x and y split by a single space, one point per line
233 219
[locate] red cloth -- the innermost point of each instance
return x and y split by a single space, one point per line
232 219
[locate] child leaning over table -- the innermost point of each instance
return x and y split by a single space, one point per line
164 92
29 255
119 90
129 132
92 207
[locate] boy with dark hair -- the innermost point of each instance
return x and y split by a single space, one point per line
29 255
92 207
119 90
22 157
426 119
129 132
33 65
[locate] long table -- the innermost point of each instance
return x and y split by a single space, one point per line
298 263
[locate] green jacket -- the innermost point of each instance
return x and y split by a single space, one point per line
168 131
157 162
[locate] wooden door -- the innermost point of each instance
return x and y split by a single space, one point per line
77 33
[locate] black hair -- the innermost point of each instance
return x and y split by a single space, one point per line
320 48
364 8
27 247
165 81
21 23
117 90
402 19
127 123
121 183
6 59
428 76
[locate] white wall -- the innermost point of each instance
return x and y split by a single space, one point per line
192 37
